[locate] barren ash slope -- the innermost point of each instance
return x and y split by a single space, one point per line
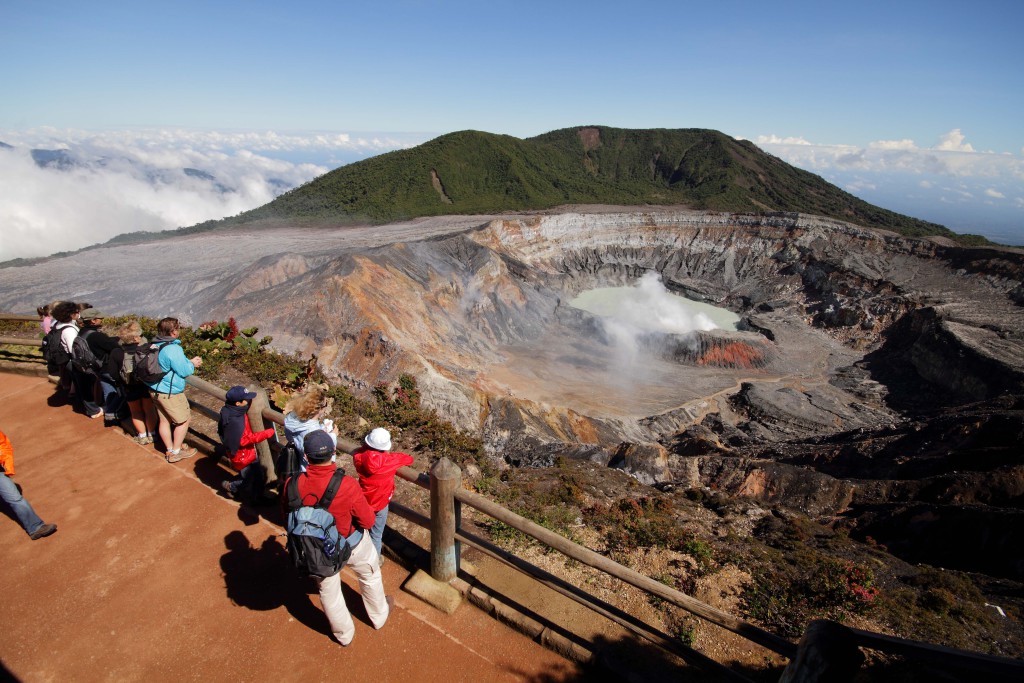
877 372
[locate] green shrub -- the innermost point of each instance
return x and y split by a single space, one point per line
787 595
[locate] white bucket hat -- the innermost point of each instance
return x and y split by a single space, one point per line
379 439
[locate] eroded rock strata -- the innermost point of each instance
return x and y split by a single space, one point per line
846 333
854 345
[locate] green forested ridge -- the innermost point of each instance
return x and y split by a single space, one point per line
486 173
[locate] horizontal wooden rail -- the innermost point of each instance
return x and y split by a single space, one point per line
972 661
18 317
568 590
589 557
21 341
602 563
939 655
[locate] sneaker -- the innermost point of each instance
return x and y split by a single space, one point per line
185 452
228 488
43 531
148 439
141 440
173 457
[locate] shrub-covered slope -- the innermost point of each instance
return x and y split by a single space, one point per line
473 172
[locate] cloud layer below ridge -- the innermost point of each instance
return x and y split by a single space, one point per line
87 187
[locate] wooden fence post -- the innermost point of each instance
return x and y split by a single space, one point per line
827 653
264 455
445 478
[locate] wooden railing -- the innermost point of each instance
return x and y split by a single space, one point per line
828 652
20 341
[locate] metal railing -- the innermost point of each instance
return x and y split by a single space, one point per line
827 653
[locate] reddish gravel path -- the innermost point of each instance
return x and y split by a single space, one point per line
153 575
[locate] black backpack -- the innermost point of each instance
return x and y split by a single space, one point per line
146 363
289 462
82 357
53 352
314 545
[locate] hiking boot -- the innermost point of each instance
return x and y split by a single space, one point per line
43 531
185 452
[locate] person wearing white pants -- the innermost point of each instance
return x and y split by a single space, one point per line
352 517
365 564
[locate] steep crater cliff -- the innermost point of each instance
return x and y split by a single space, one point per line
845 333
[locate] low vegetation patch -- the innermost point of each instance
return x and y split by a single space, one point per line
799 570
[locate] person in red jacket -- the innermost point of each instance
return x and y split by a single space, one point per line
352 516
239 440
376 465
10 494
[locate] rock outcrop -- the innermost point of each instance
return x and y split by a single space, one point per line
847 336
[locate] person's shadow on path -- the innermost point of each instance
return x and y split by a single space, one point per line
263 579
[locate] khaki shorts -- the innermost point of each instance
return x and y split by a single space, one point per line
173 408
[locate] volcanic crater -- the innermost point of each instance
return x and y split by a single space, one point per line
851 341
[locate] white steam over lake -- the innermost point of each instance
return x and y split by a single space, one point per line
628 312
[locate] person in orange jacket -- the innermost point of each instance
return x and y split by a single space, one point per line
10 494
376 465
239 440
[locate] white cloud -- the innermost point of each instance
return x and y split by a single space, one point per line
950 183
893 144
953 141
127 181
776 140
951 157
860 186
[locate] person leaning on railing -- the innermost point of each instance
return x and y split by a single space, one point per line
352 517
168 394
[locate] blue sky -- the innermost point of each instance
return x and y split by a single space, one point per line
882 98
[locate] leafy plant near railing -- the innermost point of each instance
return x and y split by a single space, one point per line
650 522
942 606
786 596
398 407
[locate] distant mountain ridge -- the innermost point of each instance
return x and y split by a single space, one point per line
472 172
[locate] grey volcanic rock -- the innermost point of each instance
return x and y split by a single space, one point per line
846 334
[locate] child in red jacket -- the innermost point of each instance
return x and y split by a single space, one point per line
239 440
376 465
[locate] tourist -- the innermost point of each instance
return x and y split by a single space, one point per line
239 440
136 394
10 494
352 515
45 319
376 466
76 382
169 392
306 411
101 345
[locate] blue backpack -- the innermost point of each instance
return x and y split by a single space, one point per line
313 541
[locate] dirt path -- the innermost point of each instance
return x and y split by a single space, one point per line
153 575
